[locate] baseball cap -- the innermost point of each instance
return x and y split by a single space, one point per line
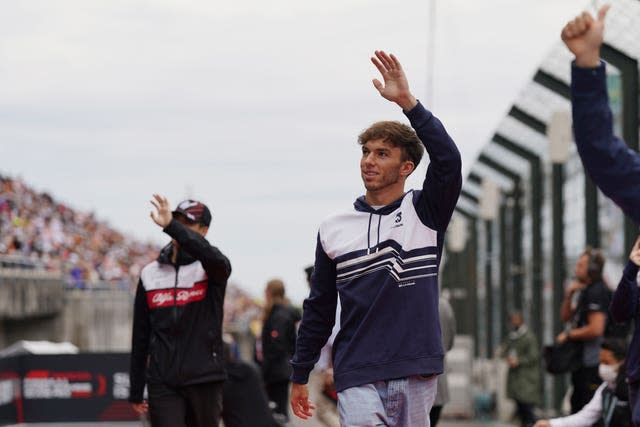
194 211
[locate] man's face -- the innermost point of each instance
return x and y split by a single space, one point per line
381 165
516 321
582 267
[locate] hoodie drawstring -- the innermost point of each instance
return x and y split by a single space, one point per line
369 233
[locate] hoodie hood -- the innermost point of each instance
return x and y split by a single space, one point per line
362 206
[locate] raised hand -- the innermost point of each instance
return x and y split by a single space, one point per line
634 256
584 35
396 86
162 216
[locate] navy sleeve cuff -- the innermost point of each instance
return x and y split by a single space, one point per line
418 114
630 271
300 376
588 79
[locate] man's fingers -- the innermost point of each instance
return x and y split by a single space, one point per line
379 65
162 201
378 85
302 408
154 204
384 59
300 411
586 18
396 63
602 13
581 25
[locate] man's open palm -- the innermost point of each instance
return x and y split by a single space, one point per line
396 86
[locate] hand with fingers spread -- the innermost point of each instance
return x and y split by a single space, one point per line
300 404
584 35
634 256
162 216
396 86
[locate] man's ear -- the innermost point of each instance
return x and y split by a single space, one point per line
407 167
203 229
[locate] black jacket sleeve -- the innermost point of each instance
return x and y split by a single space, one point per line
213 261
139 345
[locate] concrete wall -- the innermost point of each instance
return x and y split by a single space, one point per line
29 293
36 307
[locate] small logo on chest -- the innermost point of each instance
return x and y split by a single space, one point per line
398 220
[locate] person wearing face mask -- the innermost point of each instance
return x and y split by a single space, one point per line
522 354
609 406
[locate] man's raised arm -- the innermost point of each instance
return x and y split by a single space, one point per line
614 167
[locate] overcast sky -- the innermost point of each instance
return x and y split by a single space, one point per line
252 106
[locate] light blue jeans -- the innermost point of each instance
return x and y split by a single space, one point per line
403 402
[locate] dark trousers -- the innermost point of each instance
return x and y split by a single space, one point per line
197 405
525 413
279 394
585 382
434 415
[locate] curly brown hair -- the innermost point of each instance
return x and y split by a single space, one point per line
398 135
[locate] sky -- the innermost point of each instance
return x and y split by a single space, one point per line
251 106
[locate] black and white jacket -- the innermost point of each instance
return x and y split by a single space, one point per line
177 323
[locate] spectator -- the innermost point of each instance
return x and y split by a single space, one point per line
244 402
278 344
609 406
584 308
522 354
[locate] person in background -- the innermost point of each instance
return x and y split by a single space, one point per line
278 344
244 401
609 406
521 351
624 308
584 307
448 329
177 323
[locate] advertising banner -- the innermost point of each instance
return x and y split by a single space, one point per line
65 387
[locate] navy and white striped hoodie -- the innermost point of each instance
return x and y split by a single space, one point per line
384 265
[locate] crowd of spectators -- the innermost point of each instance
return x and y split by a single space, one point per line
38 231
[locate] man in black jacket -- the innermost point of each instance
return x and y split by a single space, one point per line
278 344
177 325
